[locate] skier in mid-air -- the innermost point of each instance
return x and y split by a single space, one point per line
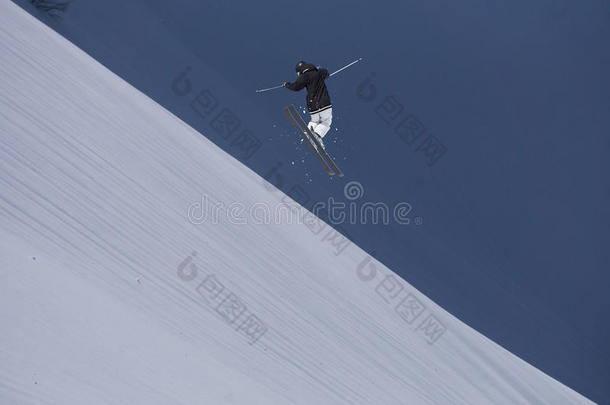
318 100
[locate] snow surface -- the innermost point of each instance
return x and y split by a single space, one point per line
96 184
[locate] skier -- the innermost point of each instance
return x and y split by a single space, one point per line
318 100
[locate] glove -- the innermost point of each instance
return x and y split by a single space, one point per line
284 84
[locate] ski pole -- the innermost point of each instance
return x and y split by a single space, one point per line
270 88
334 73
345 67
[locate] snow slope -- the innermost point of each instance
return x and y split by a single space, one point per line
103 301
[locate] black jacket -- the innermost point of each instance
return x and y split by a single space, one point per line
317 93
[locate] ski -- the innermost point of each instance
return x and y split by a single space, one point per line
306 137
318 147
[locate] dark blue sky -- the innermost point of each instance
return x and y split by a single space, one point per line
514 240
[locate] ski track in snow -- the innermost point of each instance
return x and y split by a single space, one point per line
96 180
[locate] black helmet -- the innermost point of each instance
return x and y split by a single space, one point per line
300 66
303 67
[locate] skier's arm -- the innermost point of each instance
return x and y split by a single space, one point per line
324 73
297 85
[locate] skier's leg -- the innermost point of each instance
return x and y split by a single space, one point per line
314 121
313 124
324 123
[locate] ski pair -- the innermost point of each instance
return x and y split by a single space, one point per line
317 149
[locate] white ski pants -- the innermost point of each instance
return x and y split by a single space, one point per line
320 122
